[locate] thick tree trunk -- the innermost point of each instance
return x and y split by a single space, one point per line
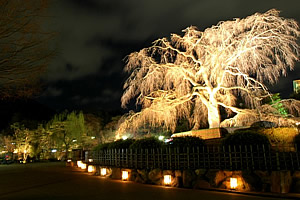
213 115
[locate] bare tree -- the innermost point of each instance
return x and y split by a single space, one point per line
24 52
195 75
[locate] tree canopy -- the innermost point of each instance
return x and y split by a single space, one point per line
196 75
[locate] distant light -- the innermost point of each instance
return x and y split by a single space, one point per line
168 140
91 168
124 175
103 172
93 137
79 163
74 140
53 150
233 183
25 151
124 137
69 160
161 137
83 166
167 179
15 150
91 160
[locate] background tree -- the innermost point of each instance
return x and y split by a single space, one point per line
196 75
24 51
23 138
67 130
94 124
7 143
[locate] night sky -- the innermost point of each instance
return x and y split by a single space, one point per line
94 36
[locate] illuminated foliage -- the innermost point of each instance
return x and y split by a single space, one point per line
195 75
67 130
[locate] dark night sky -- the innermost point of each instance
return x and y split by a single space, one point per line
95 35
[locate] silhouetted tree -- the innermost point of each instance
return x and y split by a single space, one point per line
24 52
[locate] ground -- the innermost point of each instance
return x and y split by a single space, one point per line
55 181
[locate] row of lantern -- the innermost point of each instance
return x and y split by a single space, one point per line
125 174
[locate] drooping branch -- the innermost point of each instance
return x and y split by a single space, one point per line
193 75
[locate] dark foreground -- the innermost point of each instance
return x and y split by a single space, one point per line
45 181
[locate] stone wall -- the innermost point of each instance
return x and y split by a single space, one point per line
260 181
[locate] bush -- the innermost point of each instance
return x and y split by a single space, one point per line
187 141
281 136
297 140
121 144
147 143
246 137
101 147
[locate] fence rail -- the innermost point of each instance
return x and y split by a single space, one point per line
252 157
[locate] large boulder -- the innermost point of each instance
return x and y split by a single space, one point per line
155 176
281 181
116 173
188 177
215 177
142 176
263 124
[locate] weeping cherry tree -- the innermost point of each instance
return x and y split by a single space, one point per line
196 75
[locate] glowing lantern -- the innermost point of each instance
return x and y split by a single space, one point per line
83 166
103 171
69 160
90 160
233 183
91 168
167 179
79 163
124 175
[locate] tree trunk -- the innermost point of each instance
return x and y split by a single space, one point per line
213 115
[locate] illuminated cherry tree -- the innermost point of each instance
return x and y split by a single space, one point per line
196 75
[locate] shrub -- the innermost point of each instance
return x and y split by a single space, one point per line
297 140
187 141
121 144
280 136
246 137
101 147
147 143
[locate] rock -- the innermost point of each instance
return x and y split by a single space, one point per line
296 175
177 181
188 176
116 173
168 172
281 181
178 173
155 176
228 173
139 179
215 177
133 175
252 182
263 124
200 172
296 186
143 175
